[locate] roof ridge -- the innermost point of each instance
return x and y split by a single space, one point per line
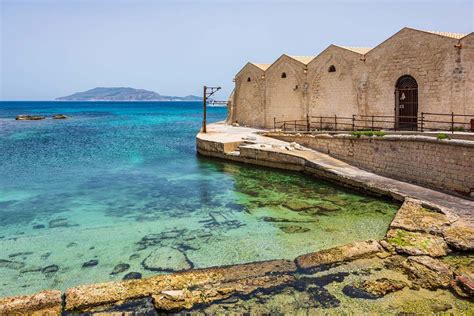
356 49
305 59
445 34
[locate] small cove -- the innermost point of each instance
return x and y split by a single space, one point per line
117 182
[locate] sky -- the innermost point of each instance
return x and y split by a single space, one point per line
52 48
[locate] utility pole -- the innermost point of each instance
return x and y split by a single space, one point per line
207 92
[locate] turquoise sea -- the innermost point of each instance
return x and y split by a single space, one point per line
118 188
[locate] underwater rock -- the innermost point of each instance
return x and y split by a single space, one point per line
167 259
156 239
134 256
381 287
30 269
322 297
59 116
18 254
132 276
412 216
59 222
90 263
43 303
338 254
355 292
297 205
336 199
460 236
326 207
119 268
14 265
284 220
29 117
440 307
292 229
38 226
45 255
50 269
428 272
417 244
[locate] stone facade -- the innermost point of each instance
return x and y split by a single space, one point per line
250 93
347 81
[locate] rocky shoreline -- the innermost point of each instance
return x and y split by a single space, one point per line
414 251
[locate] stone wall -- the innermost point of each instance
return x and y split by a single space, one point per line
444 165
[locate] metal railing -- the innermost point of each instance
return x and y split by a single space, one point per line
426 121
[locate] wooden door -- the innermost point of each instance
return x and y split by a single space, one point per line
406 103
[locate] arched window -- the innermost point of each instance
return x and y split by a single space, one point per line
283 74
332 68
248 79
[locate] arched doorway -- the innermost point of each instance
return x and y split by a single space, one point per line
406 103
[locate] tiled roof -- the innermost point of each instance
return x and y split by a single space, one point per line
447 34
303 59
262 66
358 50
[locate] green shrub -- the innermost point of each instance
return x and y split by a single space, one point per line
368 133
442 136
459 129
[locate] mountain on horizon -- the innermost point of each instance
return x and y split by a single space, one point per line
123 94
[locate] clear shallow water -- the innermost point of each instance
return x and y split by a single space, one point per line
117 181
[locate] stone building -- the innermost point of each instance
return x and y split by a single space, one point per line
410 73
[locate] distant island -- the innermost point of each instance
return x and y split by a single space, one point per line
123 94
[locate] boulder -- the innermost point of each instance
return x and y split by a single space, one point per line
29 117
167 259
460 236
417 244
412 216
338 254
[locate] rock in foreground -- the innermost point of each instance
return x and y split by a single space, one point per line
43 303
338 254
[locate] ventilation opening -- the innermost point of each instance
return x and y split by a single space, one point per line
248 79
332 68
283 75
